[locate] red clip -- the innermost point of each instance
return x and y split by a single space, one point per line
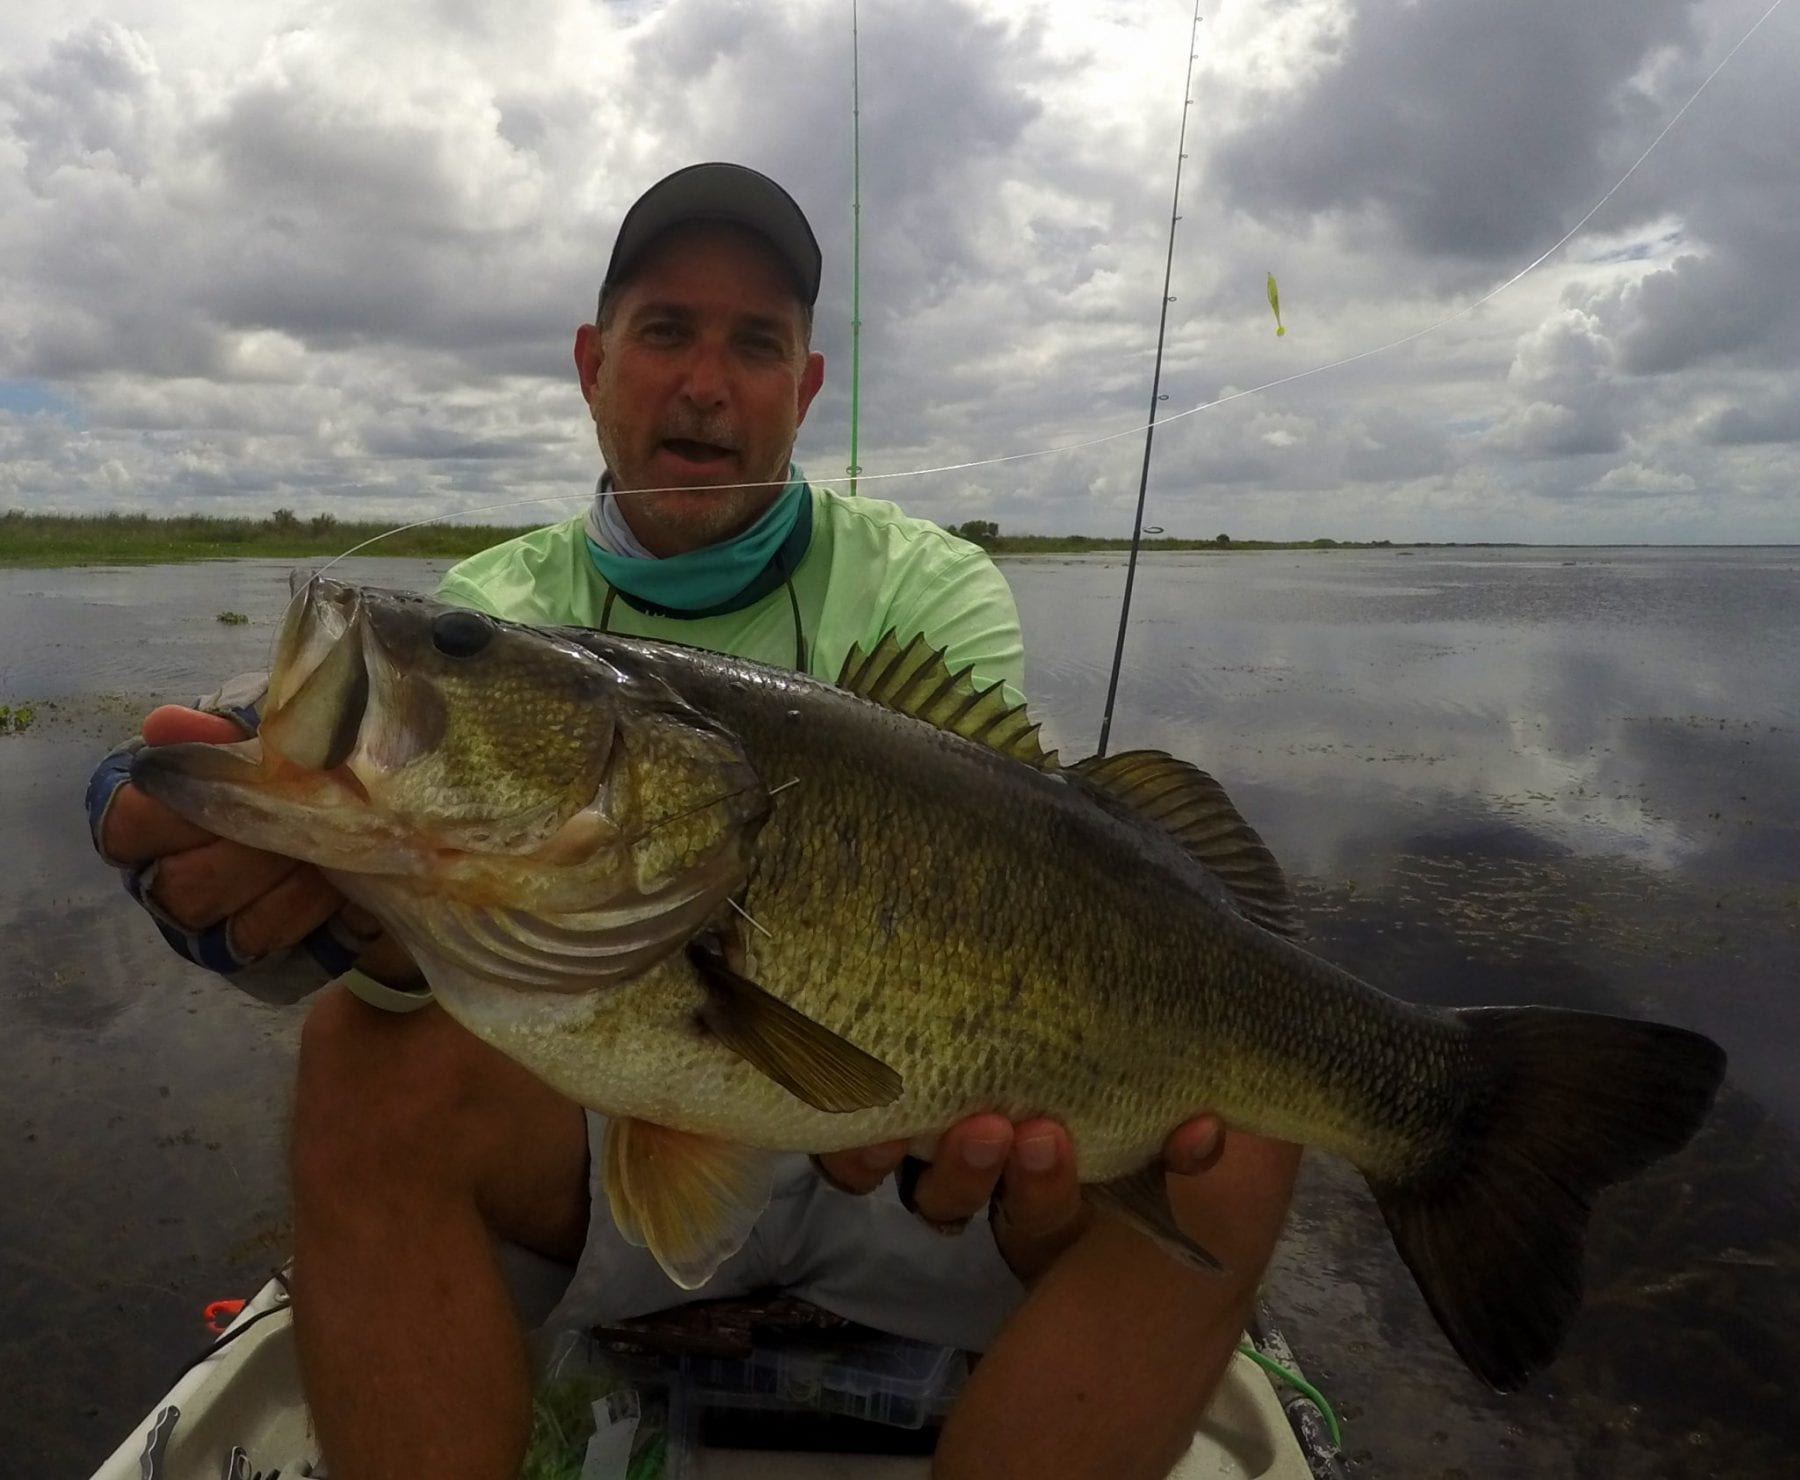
219 1315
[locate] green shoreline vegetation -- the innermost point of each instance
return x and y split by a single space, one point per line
141 539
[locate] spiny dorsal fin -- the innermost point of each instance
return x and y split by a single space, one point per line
1194 808
916 680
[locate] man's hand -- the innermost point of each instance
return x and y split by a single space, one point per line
268 902
1041 1211
1105 1368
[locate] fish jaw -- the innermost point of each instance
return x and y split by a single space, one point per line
318 613
319 690
244 793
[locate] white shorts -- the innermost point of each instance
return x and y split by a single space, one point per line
864 1258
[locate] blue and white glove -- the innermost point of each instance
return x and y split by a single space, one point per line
328 952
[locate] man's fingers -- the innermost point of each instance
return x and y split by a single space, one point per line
961 1177
171 725
139 828
1194 1145
201 886
863 1170
1041 1209
289 912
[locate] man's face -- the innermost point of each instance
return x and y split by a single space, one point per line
699 381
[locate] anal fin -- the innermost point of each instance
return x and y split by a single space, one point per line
690 1200
1141 1199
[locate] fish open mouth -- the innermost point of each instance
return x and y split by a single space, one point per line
319 690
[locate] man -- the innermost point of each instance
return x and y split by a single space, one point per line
416 1148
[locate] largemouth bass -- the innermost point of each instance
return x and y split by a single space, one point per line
741 912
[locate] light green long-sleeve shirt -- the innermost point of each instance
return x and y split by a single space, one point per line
870 568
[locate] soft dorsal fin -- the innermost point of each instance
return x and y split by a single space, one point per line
1193 807
916 680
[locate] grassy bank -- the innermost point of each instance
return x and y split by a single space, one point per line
138 539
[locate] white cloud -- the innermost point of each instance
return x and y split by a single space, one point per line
1635 477
333 257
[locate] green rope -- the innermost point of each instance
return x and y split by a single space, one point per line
650 1464
1295 1380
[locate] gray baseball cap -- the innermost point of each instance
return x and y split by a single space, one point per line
720 192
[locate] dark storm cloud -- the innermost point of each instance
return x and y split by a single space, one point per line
72 341
1731 299
1695 310
1390 447
448 442
947 97
1764 420
1468 130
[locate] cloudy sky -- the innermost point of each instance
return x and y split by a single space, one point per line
332 256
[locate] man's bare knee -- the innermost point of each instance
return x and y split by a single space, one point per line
388 1102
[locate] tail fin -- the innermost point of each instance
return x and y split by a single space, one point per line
1493 1231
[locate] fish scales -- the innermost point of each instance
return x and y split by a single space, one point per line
1092 960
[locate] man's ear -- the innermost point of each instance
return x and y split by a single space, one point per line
590 354
811 378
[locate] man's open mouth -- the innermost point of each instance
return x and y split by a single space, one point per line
697 452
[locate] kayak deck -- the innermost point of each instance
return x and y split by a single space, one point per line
246 1396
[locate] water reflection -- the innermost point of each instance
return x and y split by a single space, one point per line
1508 779
1493 777
1494 682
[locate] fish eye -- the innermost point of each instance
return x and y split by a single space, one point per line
461 634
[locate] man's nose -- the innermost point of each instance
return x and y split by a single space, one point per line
706 381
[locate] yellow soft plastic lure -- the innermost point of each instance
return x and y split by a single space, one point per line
1275 304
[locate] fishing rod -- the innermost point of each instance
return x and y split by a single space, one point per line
855 241
1162 327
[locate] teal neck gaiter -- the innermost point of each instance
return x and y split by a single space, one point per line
720 578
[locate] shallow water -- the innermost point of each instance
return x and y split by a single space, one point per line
1494 776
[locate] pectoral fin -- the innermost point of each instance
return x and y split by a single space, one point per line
690 1200
1142 1200
804 1057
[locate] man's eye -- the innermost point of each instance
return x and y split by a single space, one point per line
661 331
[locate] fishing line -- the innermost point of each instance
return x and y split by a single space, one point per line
1139 428
750 917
